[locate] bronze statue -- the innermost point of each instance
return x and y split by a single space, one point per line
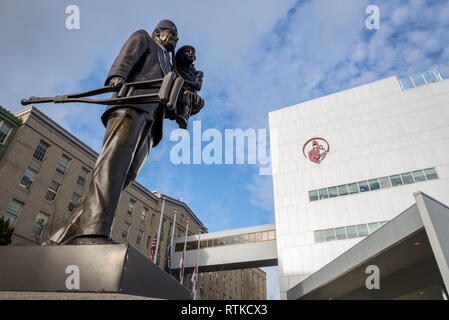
191 103
131 131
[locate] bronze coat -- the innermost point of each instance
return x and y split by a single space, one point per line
141 58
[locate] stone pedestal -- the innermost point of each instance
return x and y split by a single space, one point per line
111 268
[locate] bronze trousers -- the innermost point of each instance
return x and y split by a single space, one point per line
126 145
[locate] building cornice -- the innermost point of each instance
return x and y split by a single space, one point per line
36 114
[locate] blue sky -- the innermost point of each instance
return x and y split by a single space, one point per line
257 56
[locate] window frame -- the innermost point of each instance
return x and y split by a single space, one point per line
5 140
31 180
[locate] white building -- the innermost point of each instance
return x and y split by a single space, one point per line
386 140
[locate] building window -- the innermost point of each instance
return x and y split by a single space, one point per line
374 184
82 177
13 211
131 206
351 231
52 191
348 232
431 174
139 237
385 182
353 188
74 202
125 230
373 227
313 195
144 214
333 192
396 180
323 194
330 234
343 190
28 178
420 79
362 230
419 176
62 164
39 224
363 186
5 129
340 233
40 151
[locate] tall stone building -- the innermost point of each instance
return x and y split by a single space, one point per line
45 172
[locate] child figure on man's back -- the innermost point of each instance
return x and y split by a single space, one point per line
192 103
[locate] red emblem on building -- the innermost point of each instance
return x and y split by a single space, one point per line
317 152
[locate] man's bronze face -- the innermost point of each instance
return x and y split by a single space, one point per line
167 38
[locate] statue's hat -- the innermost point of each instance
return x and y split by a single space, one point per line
167 24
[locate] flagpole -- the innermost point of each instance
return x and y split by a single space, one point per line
196 265
159 229
173 236
184 253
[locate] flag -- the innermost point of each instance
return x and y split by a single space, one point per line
195 281
153 249
167 262
181 276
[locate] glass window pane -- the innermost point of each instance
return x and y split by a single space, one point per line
272 235
40 150
353 188
407 178
62 165
382 223
431 174
333 192
374 184
406 83
430 76
265 236
340 233
28 178
351 231
252 237
385 182
343 190
244 238
418 79
313 195
258 236
419 175
228 240
4 131
362 230
363 186
396 180
210 243
373 226
319 236
330 234
324 194
203 244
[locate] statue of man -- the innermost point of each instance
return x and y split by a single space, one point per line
131 131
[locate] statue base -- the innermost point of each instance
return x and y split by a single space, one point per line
102 269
